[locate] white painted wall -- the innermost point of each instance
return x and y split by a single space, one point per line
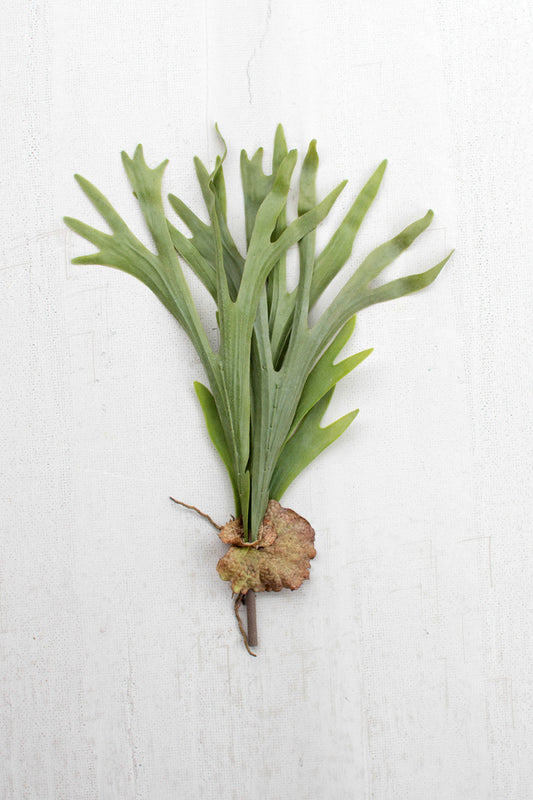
403 669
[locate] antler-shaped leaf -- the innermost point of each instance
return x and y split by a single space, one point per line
329 262
122 249
237 318
308 441
217 435
272 419
204 236
339 248
356 293
326 374
161 272
273 375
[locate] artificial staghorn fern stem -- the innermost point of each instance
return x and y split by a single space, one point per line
273 376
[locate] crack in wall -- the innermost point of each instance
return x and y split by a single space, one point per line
256 50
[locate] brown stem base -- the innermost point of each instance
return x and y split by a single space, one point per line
251 617
238 600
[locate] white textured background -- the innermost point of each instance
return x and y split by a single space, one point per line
403 669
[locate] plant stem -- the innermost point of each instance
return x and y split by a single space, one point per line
251 618
250 638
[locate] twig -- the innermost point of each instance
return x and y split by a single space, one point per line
251 617
202 514
247 642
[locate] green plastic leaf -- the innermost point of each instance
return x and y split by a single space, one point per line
199 253
160 271
384 255
217 435
352 299
306 246
328 263
277 280
214 192
339 248
326 374
122 251
308 441
275 392
258 266
273 375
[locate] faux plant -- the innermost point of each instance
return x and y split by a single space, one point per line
273 374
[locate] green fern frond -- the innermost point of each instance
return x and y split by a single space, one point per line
274 374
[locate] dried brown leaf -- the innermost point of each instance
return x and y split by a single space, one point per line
279 558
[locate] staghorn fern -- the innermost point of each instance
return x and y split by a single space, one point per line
273 376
